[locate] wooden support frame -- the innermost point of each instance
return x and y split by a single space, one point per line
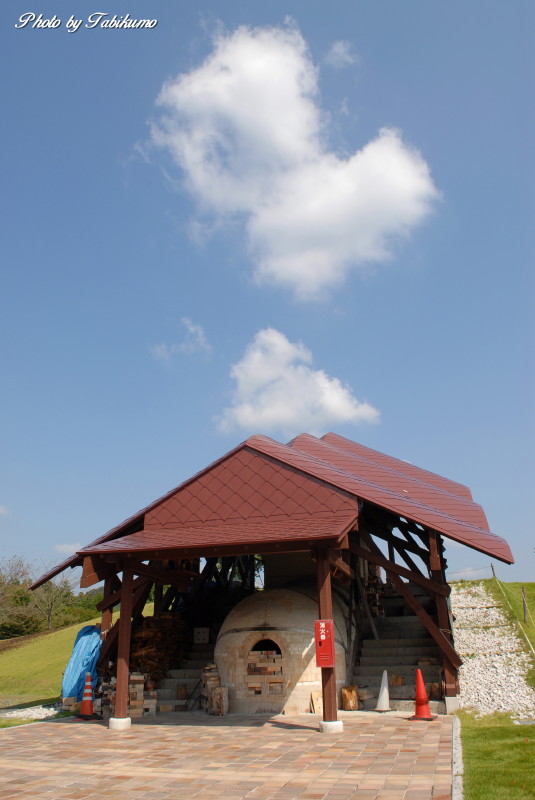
376 557
447 649
435 561
123 652
107 612
95 570
325 611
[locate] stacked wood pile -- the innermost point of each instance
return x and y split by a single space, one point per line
350 699
210 680
140 702
214 697
157 642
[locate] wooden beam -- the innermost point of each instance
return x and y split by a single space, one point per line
123 652
325 611
407 559
376 557
108 645
443 613
445 646
107 612
397 542
219 551
94 570
115 598
168 598
336 561
362 593
180 578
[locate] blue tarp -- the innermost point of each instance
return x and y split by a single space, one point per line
83 659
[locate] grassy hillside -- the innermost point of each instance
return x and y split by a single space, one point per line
33 670
31 667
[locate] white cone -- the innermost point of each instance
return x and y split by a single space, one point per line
383 703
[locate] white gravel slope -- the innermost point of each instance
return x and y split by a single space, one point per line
495 662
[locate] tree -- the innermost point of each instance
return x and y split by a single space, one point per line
52 599
17 613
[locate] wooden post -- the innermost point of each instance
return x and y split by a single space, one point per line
158 596
325 611
437 574
107 614
524 606
123 652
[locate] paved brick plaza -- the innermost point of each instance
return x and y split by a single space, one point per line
183 756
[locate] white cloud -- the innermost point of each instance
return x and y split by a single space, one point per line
277 389
247 131
68 549
195 341
4 511
341 55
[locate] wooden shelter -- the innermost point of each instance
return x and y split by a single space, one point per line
350 508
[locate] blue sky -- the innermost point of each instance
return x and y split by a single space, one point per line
264 218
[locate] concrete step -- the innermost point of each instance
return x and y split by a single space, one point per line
404 621
176 705
398 603
401 631
383 652
194 663
416 643
184 674
173 683
391 658
430 673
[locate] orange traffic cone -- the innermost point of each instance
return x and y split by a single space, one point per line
86 709
422 706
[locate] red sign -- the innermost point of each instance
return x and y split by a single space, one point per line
324 636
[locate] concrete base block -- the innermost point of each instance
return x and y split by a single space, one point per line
335 726
119 724
452 704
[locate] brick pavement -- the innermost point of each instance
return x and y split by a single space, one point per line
377 757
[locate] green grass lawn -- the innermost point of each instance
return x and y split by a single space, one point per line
499 758
32 673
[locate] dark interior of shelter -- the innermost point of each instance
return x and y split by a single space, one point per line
219 584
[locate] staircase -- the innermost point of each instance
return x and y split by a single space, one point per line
403 645
188 676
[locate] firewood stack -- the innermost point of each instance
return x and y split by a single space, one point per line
210 679
156 643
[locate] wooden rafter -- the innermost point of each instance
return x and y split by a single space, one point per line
442 641
94 570
180 578
407 559
376 557
115 598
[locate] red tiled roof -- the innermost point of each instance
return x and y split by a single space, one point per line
248 485
461 522
396 465
262 481
259 532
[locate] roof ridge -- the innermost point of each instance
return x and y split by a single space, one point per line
467 495
433 487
